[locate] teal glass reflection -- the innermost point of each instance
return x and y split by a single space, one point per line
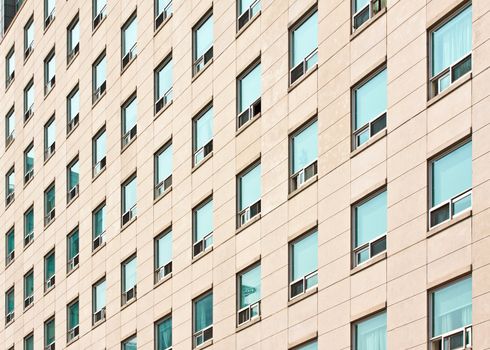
129 274
73 245
304 39
371 99
10 241
164 164
371 219
305 256
203 221
204 129
250 88
371 333
10 301
164 79
305 147
129 195
73 317
99 221
164 250
164 334
249 287
250 187
49 266
203 312
49 336
204 37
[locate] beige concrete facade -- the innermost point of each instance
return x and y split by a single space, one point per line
399 281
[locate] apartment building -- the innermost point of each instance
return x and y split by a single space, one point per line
250 174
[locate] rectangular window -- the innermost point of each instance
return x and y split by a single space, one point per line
29 163
163 10
130 344
10 187
99 12
163 170
72 250
249 91
203 319
98 301
9 127
202 227
99 77
128 269
10 67
73 321
163 84
450 46
310 345
28 226
49 12
129 200
73 38
202 143
9 246
129 119
248 294
129 34
363 10
29 100
49 271
49 204
370 104
370 227
163 334
249 193
99 152
72 110
303 149
202 35
49 334
370 333
163 255
303 257
450 184
98 226
49 138
73 179
28 288
247 9
29 342
28 37
49 72
304 46
9 305
451 315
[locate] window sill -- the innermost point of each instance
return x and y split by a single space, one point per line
303 78
47 291
374 260
7 146
441 227
248 24
46 28
128 303
248 324
50 156
167 106
94 29
204 345
68 134
247 124
49 224
28 307
380 135
303 187
367 24
164 194
454 86
72 200
303 296
159 28
100 172
198 74
248 224
26 58
7 86
126 67
205 159
129 223
163 280
49 92
125 147
68 273
27 120
96 102
72 341
96 250
201 255
28 182
98 323
73 59
8 324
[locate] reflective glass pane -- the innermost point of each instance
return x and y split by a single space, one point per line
73 315
305 147
203 312
74 105
359 4
161 4
130 113
10 301
49 266
250 287
129 274
164 164
130 344
203 221
29 343
305 256
29 160
74 35
50 199
164 79
371 333
50 134
250 88
73 175
164 250
49 335
370 99
30 96
100 147
10 238
100 72
99 5
370 218
164 334
250 187
204 129
29 285
100 296
99 221
305 39
129 36
204 37
129 195
29 222
73 245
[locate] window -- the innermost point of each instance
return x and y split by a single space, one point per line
249 192
249 90
72 109
49 72
247 9
163 10
49 335
9 246
203 319
202 227
28 37
129 200
73 37
304 155
29 342
99 77
130 344
304 47
73 321
129 116
98 301
9 305
370 226
10 67
128 285
163 255
28 288
304 264
370 333
49 271
450 184
450 46
73 179
98 226
72 250
369 108
163 84
9 127
28 100
129 39
49 9
99 12
202 134
49 204
248 294
29 163
311 345
10 186
363 10
28 226
202 35
49 138
163 170
99 152
163 330
451 315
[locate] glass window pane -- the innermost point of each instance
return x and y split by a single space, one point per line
50 134
305 147
49 266
130 112
243 5
49 335
29 285
29 160
370 218
371 333
204 37
29 222
203 312
203 221
29 34
73 245
99 5
10 301
161 4
164 79
100 147
164 249
100 296
129 36
73 315
29 343
250 187
250 88
360 4
370 99
250 287
100 72
305 256
30 96
74 105
50 68
10 123
305 39
204 129
164 334
129 195
99 221
10 242
164 164
129 274
73 175
130 344
50 200
74 35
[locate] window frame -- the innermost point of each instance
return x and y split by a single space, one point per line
372 13
72 53
100 166
28 236
73 192
161 102
28 46
9 196
49 281
72 123
49 82
128 295
99 208
28 110
167 267
46 323
9 136
50 149
94 301
49 17
162 187
246 215
250 307
132 52
72 263
128 136
9 255
246 17
364 319
133 210
157 324
160 18
9 78
48 217
98 92
304 279
254 110
27 338
9 314
207 56
209 237
98 18
28 298
207 149
194 331
126 340
28 174
73 333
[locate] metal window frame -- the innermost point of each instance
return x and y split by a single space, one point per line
46 191
123 265
27 337
126 182
195 119
69 40
10 113
75 118
102 14
51 253
8 258
204 18
165 13
27 27
194 301
95 64
199 206
26 275
132 17
248 11
28 149
8 77
48 83
157 323
68 330
74 231
156 155
238 289
127 339
291 260
256 63
156 252
239 178
97 209
8 194
26 234
70 165
156 80
355 323
27 88
51 122
127 133
48 15
46 325
94 297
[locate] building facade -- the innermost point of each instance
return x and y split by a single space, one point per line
264 174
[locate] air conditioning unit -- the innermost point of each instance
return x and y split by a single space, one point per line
28 113
100 16
10 139
73 333
201 62
49 19
163 271
99 315
163 15
99 166
72 263
9 317
49 85
10 198
72 193
28 176
10 257
129 56
203 336
49 217
50 283
201 153
129 136
72 123
28 238
129 215
99 92
28 301
248 313
163 101
49 151
98 240
129 295
50 347
73 52
203 244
